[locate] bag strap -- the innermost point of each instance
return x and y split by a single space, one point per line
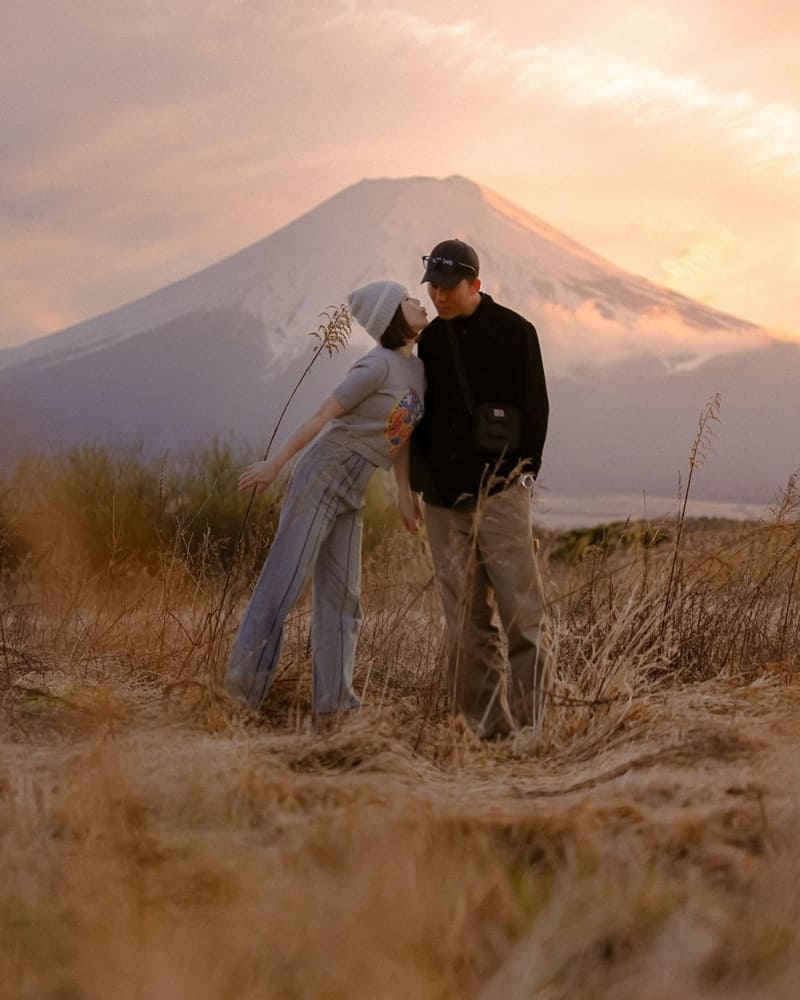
466 391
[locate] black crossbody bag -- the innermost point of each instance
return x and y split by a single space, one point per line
495 426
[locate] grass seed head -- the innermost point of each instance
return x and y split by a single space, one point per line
333 332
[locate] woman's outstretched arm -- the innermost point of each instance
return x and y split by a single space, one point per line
263 474
407 500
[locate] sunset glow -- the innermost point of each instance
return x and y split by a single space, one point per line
142 142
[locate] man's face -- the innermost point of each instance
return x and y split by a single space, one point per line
459 301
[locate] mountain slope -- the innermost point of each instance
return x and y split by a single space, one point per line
380 228
630 365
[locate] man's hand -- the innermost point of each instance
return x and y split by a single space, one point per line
259 474
410 510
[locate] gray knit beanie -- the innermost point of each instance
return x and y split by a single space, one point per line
375 304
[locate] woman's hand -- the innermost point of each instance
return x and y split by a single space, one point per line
410 509
263 474
259 474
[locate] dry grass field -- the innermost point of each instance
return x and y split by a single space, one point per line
157 843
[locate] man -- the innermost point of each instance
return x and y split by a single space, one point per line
477 487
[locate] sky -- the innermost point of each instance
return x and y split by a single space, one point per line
143 140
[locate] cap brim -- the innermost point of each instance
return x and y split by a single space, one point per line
442 279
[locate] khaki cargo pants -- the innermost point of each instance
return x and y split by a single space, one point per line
497 650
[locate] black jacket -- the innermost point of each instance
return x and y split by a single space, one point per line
503 364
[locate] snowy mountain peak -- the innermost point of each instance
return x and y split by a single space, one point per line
586 309
629 365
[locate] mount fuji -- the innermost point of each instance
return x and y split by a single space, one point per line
630 364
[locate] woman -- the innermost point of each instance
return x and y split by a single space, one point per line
367 422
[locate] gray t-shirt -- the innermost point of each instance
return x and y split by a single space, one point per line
383 394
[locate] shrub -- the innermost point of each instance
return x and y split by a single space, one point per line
13 548
104 511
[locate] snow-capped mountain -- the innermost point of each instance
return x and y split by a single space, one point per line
630 364
593 311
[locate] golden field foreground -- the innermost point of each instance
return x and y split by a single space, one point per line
156 843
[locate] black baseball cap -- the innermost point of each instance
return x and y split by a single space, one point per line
449 262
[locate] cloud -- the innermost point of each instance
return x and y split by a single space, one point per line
765 133
146 140
585 333
601 117
703 254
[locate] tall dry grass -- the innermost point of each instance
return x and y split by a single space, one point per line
156 843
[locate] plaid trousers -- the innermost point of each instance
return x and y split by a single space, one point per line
319 535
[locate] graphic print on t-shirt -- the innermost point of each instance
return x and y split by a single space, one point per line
402 420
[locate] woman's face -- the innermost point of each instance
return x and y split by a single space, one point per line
414 313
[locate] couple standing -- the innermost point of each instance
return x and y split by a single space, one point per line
476 400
